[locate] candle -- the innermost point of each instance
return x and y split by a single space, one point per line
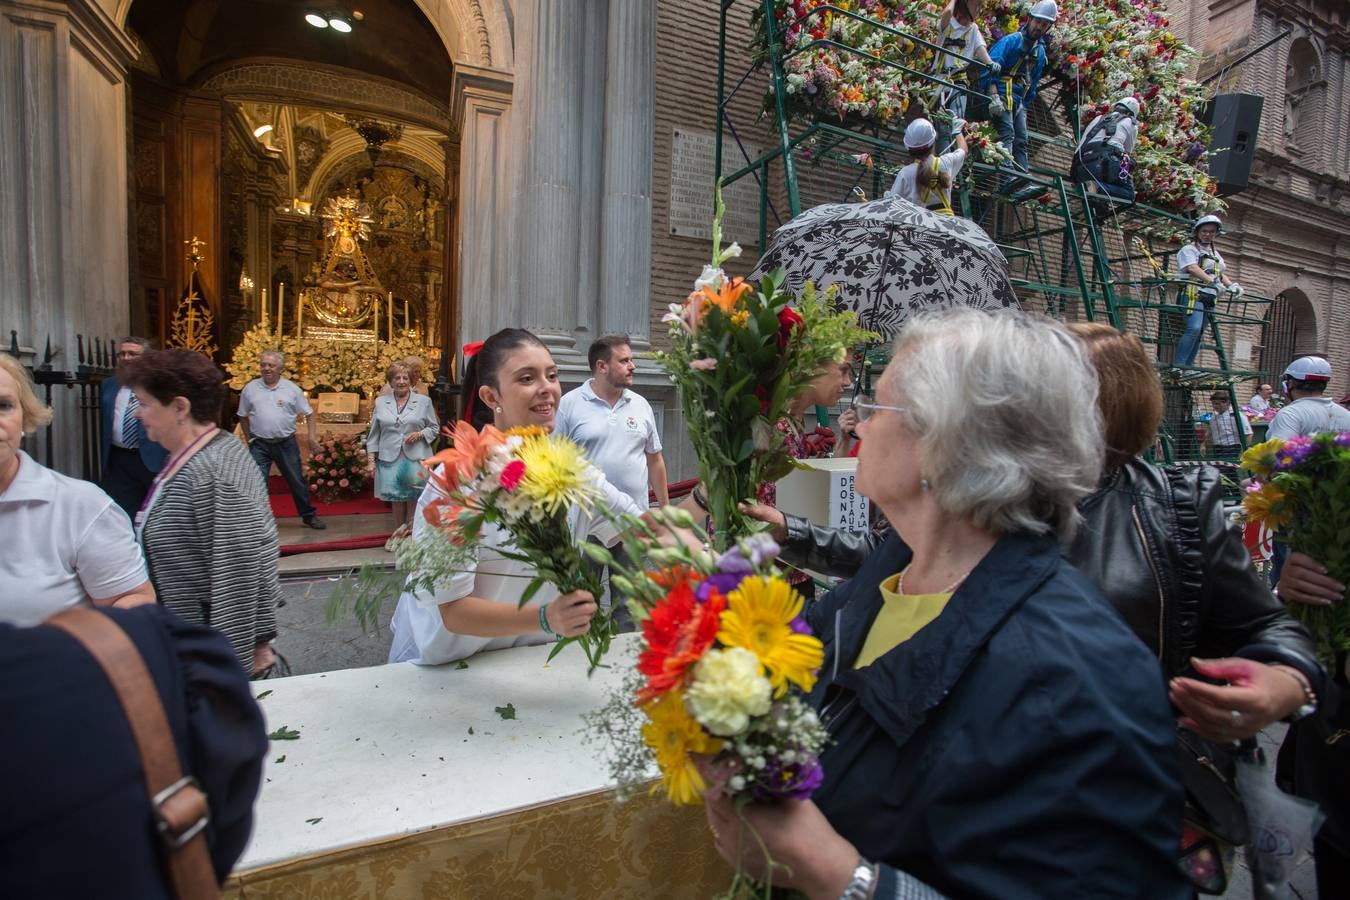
281 307
299 312
407 322
376 319
264 307
390 310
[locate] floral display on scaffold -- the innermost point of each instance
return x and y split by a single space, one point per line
338 469
718 685
1098 51
739 353
1301 490
524 482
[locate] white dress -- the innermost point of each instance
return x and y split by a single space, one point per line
420 636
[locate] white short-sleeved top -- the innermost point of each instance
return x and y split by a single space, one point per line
616 439
271 411
906 181
965 40
419 634
1210 260
1308 415
66 542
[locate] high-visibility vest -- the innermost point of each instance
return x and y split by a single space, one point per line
944 204
1209 264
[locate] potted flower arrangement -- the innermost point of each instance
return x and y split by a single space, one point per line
338 469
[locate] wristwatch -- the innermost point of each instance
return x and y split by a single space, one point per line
863 882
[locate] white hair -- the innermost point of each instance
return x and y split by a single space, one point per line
1005 407
275 354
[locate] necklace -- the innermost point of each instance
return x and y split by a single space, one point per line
398 408
900 582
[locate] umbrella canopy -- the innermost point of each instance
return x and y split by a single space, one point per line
890 259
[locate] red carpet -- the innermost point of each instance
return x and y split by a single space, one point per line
283 507
368 542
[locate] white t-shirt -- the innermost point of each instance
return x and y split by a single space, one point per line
1308 415
1210 260
1258 404
965 40
271 411
66 542
906 184
1126 133
617 440
419 634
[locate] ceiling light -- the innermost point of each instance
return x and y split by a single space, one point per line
316 20
261 130
340 23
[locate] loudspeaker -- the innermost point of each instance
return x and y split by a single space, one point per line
1236 119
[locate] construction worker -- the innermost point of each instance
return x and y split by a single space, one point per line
1021 60
959 34
927 181
1103 155
1206 278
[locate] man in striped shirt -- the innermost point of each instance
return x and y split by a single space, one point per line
1224 442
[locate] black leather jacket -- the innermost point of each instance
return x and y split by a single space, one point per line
1156 543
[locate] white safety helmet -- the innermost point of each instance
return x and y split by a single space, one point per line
1045 9
1207 220
1130 104
919 134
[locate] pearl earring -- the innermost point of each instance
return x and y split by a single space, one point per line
924 485
496 409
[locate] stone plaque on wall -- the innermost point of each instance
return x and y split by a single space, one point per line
691 189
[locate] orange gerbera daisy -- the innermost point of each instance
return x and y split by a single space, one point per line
678 632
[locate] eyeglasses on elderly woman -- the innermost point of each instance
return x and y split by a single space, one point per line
866 407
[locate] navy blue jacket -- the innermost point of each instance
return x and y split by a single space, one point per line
76 822
152 454
1019 746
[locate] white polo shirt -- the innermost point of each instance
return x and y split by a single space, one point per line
66 542
271 411
1308 415
617 440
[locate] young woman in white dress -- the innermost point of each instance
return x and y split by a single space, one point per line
513 375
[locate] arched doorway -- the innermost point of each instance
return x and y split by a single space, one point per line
1289 331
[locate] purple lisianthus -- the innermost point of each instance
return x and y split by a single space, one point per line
735 561
1294 452
722 582
799 626
1342 439
797 781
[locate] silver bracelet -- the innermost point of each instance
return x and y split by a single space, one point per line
863 882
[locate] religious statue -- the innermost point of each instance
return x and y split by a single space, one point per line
345 290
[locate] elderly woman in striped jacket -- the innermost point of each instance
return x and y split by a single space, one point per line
209 537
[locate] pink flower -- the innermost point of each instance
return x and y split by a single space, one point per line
331 483
343 483
313 487
704 365
511 475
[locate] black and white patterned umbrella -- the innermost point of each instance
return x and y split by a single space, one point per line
890 259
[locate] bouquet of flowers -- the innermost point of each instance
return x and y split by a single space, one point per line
738 354
723 662
1302 491
524 482
338 469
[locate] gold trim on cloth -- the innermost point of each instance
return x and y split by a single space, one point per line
587 846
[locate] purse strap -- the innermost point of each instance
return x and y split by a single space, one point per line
178 802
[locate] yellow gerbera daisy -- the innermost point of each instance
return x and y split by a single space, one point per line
1259 459
759 617
557 474
673 735
1269 504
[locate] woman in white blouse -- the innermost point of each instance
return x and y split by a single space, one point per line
66 542
402 427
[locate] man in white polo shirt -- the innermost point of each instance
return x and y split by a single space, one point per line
615 426
268 407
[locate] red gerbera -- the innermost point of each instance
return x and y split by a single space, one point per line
677 633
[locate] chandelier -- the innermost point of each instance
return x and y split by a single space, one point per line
375 133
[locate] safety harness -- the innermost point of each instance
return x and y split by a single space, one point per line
1011 75
944 208
1212 266
1094 155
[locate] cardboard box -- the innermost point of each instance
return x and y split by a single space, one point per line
825 494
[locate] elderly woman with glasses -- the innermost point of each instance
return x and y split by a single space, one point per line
997 731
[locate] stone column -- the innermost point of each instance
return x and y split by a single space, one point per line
486 253
629 133
549 60
63 177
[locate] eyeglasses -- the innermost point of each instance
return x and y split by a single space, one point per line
128 354
866 407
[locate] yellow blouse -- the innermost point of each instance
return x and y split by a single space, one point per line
901 617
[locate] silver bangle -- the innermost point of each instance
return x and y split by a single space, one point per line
863 882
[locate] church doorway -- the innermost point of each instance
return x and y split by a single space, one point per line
315 167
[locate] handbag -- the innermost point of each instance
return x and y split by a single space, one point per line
179 804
